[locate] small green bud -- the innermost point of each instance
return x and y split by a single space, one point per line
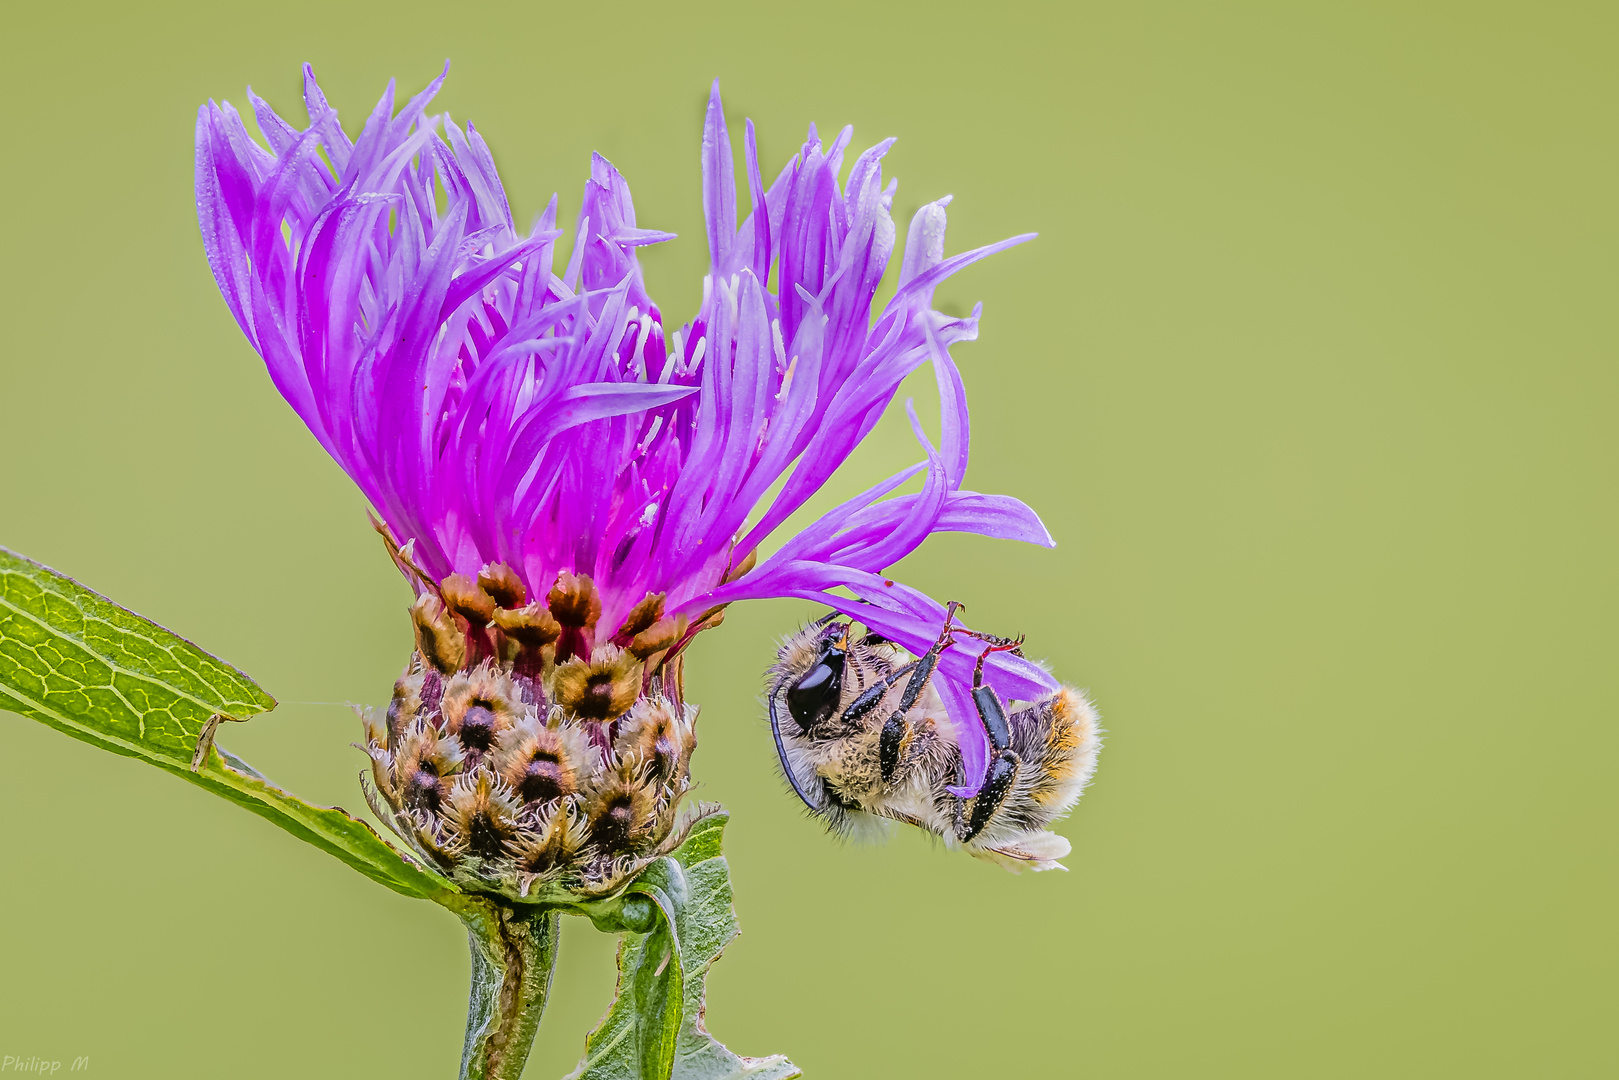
638 914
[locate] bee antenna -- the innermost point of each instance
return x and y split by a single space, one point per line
781 747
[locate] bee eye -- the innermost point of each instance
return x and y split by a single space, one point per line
812 698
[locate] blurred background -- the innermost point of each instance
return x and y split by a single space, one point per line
1311 372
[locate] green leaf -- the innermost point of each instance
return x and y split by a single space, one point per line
654 1028
75 661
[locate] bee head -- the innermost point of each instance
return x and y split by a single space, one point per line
814 696
811 687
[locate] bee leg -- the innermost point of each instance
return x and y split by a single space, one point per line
919 671
888 746
1004 768
1002 644
897 727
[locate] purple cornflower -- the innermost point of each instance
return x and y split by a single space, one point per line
496 412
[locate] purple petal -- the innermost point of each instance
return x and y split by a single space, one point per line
491 410
719 183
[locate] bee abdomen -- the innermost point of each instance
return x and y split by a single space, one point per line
1057 739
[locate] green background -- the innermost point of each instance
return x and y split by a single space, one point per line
1311 372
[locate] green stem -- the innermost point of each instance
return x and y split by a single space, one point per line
513 952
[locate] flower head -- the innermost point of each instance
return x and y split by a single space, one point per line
566 481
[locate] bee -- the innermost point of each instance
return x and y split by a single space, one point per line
864 738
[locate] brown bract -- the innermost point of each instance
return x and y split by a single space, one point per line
659 637
620 808
574 601
441 643
641 616
551 846
531 627
424 768
601 688
656 735
542 763
481 818
501 582
479 706
463 596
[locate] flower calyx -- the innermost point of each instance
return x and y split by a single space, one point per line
518 765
